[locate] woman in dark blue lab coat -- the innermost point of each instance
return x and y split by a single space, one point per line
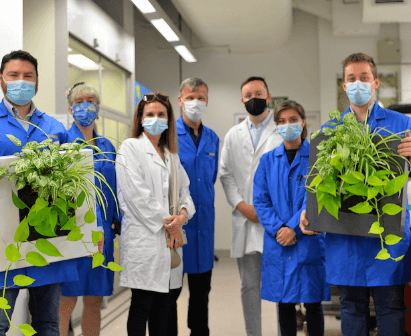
95 283
293 268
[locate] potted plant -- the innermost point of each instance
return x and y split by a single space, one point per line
58 182
358 177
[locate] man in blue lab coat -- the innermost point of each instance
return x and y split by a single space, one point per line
19 82
198 151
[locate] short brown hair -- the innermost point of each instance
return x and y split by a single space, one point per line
169 136
359 57
291 104
255 78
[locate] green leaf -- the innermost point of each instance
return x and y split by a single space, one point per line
36 259
70 225
75 235
98 259
12 253
359 189
372 192
383 255
114 267
4 304
331 203
22 280
399 258
391 209
80 199
27 329
61 204
89 217
13 139
315 134
320 200
361 208
41 203
374 181
392 239
44 246
17 201
396 184
349 178
316 181
376 228
358 175
52 220
381 173
96 237
41 215
22 231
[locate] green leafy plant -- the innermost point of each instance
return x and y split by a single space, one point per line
355 161
58 174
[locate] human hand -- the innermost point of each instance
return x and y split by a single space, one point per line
248 211
285 236
100 244
404 148
174 223
304 223
175 240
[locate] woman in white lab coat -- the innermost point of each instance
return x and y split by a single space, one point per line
147 169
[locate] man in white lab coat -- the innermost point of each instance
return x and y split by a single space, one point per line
244 144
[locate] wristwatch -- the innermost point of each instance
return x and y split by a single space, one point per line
186 216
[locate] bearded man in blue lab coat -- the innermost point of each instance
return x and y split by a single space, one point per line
350 260
198 153
19 82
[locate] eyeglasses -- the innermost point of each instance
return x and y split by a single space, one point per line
152 96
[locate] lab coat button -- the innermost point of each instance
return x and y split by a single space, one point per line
289 257
199 179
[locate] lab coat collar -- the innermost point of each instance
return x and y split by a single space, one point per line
269 129
245 134
304 151
149 148
4 112
77 133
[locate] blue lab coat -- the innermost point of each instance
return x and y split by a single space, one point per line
201 166
350 260
57 272
98 281
294 273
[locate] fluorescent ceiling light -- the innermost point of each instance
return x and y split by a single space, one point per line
144 6
69 49
82 62
185 53
165 30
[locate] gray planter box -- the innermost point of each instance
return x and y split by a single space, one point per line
349 222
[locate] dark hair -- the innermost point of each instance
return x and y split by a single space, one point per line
169 136
291 104
254 78
359 57
18 55
194 83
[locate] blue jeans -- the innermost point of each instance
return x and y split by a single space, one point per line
389 308
44 305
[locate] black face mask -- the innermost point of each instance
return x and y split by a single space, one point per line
256 106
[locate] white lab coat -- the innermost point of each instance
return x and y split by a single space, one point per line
238 164
142 191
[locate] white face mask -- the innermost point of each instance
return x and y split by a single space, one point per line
194 109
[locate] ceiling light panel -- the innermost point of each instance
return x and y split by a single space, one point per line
144 6
165 30
185 53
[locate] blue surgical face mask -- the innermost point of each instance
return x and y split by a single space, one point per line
85 113
155 126
290 132
20 92
359 92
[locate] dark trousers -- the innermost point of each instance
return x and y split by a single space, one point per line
199 286
314 317
148 306
389 308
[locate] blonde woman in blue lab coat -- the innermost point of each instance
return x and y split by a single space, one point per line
293 269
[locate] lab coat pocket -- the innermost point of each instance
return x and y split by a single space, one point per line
209 166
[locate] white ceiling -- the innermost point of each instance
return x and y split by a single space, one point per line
242 26
248 26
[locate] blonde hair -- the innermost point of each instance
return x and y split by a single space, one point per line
82 89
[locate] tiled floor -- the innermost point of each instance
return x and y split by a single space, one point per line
226 317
